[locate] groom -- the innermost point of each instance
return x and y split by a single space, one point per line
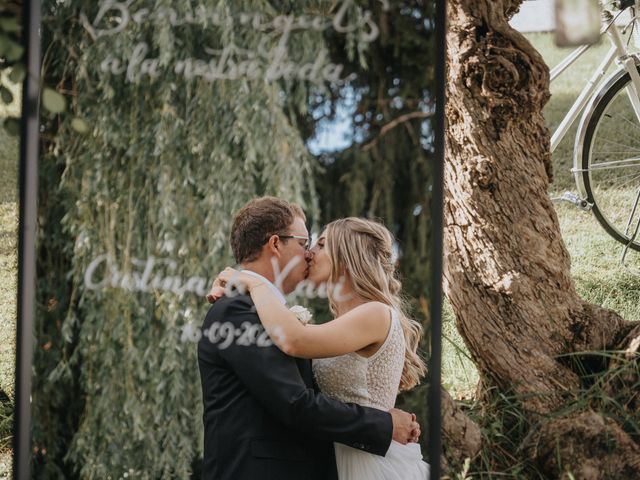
264 417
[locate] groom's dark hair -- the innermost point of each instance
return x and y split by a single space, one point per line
254 223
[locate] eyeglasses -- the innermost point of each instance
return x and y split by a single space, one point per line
306 240
299 237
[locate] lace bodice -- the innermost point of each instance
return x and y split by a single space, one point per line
370 382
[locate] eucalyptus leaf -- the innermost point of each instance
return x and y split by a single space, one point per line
17 73
79 125
53 101
12 126
6 95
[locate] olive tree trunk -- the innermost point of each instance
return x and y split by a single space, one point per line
507 271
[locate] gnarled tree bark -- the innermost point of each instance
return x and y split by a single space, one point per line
462 436
507 271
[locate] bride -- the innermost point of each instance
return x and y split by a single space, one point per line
368 353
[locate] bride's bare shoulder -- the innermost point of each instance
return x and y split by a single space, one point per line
374 312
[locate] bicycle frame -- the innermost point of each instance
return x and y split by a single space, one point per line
617 51
587 102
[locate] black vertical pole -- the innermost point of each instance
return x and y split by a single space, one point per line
434 396
29 141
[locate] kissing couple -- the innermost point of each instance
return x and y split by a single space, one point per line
269 411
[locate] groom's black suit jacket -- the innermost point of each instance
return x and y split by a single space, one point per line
263 415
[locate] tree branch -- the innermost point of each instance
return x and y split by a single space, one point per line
393 124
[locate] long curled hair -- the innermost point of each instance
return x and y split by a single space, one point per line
362 251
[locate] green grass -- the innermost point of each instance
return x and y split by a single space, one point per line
459 374
596 268
8 280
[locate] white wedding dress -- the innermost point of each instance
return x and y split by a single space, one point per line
371 382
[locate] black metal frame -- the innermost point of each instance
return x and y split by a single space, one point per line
435 362
29 147
29 143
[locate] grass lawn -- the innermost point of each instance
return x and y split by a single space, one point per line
8 279
8 289
596 268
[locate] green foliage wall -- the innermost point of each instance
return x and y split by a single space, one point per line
164 163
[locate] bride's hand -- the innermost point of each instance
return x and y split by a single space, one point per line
216 292
231 277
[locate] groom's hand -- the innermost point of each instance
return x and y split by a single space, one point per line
405 427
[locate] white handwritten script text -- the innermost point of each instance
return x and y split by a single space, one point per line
103 272
224 333
268 59
155 274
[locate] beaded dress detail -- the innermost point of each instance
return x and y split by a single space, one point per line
370 382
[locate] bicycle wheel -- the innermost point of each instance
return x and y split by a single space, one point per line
610 160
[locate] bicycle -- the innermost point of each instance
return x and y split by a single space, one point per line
606 158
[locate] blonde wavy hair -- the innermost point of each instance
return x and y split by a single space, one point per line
362 251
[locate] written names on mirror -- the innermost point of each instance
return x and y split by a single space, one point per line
153 274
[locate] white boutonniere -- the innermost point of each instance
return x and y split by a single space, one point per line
302 314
